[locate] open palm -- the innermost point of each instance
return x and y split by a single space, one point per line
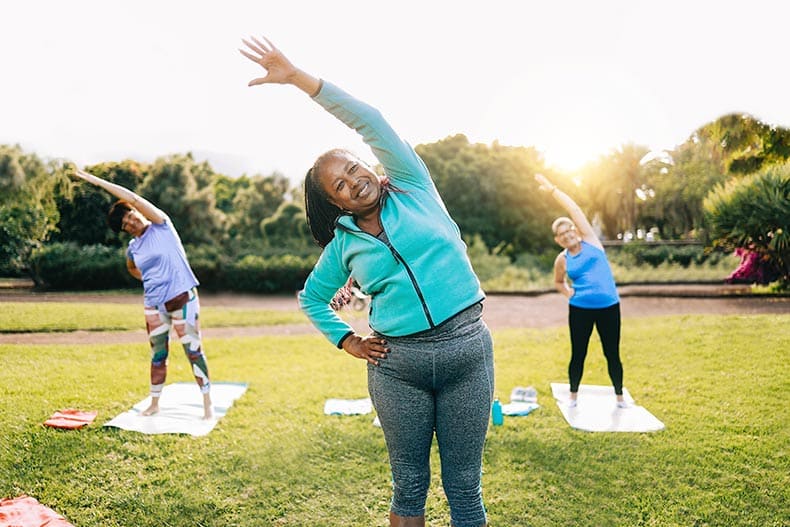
279 69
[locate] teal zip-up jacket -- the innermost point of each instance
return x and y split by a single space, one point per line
423 276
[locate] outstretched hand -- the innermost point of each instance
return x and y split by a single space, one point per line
279 69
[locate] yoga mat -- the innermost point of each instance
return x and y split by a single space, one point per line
597 411
180 410
519 408
348 406
25 511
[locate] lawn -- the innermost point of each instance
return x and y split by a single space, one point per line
25 317
719 383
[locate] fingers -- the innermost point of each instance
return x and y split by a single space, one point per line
371 349
376 350
258 81
250 56
267 47
257 48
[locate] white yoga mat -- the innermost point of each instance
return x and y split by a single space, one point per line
596 410
180 410
348 406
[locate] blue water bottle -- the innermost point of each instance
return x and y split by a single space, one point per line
496 413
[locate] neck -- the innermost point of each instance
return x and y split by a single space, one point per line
575 248
370 223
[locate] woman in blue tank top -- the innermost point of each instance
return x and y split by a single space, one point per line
592 294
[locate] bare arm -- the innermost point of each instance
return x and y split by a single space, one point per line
133 270
146 208
279 69
574 211
560 283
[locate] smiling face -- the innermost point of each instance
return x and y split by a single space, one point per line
134 223
566 236
350 184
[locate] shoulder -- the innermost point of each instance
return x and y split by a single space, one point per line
560 259
593 241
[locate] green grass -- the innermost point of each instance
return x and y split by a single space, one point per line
25 317
718 383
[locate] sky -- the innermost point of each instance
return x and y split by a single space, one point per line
104 80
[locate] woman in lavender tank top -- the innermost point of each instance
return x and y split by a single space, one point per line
157 258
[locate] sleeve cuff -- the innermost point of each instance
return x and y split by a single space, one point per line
343 339
320 87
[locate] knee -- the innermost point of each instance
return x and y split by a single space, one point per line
192 346
466 502
159 358
158 339
410 490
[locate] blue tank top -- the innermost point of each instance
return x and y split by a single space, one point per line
161 259
593 283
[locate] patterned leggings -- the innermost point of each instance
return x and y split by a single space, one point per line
182 313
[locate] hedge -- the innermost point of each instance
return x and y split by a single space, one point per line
68 266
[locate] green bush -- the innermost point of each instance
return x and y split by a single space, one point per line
275 274
68 266
71 266
753 213
208 263
486 264
654 254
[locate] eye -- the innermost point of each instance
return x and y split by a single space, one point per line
353 168
340 185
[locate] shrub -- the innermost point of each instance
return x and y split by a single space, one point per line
753 213
275 274
71 266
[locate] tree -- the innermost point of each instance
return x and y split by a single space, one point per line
28 212
83 208
610 188
254 201
680 187
744 143
753 213
287 229
172 185
489 191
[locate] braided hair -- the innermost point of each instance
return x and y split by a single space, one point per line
321 214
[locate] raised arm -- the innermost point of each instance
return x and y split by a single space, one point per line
145 207
400 161
574 211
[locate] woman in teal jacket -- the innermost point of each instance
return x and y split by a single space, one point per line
430 356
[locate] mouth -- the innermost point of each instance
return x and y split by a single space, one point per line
363 192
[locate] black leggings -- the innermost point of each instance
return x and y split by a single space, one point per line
607 322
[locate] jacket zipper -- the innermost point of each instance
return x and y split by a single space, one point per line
401 260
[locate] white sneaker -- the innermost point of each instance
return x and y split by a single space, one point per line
526 395
623 404
572 403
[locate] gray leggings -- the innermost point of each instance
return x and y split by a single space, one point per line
440 380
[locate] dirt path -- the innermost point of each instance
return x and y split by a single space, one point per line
501 311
